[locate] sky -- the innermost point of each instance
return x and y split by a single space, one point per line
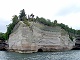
64 11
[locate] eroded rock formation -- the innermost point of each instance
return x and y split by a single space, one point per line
28 39
3 45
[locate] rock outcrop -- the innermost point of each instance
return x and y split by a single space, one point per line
3 45
77 43
36 37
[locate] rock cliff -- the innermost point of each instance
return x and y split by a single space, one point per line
37 37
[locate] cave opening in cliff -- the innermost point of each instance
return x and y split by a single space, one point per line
3 49
75 49
40 50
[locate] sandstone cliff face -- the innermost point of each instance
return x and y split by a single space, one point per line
31 39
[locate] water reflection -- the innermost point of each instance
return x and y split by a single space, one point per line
67 55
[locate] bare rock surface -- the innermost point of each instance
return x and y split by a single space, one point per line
28 39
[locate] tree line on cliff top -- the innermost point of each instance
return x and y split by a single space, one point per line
27 18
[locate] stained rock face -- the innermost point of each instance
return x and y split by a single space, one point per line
30 39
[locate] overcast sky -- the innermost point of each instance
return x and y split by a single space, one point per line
64 11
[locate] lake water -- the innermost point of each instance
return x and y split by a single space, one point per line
67 55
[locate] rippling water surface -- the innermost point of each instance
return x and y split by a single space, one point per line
68 55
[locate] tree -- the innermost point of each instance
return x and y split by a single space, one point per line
22 14
15 19
2 37
26 21
78 32
32 15
55 22
49 22
11 26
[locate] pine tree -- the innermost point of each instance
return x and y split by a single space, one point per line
22 14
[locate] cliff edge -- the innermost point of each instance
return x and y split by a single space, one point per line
38 37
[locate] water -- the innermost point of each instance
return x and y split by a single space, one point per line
67 55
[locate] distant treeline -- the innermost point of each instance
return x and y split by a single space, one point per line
27 18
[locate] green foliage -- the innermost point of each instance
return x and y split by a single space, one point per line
32 15
15 20
71 32
2 36
22 15
11 26
66 28
71 38
26 22
78 32
9 30
55 22
47 22
43 21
